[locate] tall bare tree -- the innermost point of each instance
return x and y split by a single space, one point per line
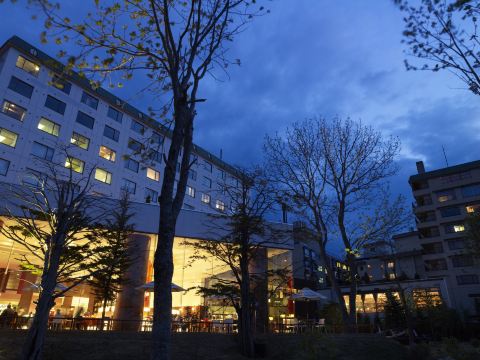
296 163
244 235
335 172
176 44
443 35
51 221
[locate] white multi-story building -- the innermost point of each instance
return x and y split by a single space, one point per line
43 111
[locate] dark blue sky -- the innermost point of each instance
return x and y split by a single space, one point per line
320 58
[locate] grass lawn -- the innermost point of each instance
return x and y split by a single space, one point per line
123 346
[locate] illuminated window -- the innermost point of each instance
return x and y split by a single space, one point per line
153 174
27 65
205 198
427 297
220 205
151 196
13 110
107 153
190 191
42 151
49 127
390 264
445 195
103 176
8 138
20 87
435 265
75 164
4 165
472 208
454 228
391 276
55 105
89 100
80 141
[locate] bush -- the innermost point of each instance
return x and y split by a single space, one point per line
419 352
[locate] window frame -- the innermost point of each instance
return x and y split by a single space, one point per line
55 104
82 118
55 127
9 113
89 100
108 176
72 138
9 133
7 163
15 82
111 151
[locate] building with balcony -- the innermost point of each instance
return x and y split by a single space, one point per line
443 200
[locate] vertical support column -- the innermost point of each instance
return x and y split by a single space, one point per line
258 269
26 293
129 304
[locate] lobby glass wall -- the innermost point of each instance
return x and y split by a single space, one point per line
17 286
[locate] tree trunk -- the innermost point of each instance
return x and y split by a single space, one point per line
245 321
408 315
352 324
163 273
333 281
102 322
33 346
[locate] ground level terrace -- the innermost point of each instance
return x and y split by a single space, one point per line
134 305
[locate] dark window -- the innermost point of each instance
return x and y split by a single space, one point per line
4 165
467 279
154 155
129 186
13 110
132 165
472 190
207 166
85 120
61 84
89 100
456 244
137 127
157 139
435 265
192 174
55 104
20 87
42 151
114 114
462 260
450 211
207 182
432 248
151 196
135 145
111 133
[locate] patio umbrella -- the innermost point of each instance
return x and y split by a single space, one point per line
149 287
307 294
37 287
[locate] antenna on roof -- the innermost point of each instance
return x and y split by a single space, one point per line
445 155
221 154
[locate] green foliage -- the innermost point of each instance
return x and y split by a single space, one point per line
394 312
111 258
332 314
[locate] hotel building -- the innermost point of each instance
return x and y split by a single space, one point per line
43 110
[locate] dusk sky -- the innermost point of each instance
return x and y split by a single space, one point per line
319 58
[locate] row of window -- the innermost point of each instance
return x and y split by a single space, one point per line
59 106
450 194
